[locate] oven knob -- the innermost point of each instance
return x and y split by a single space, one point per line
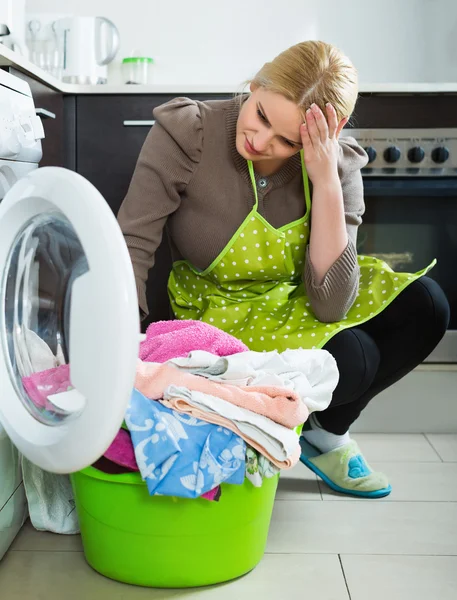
392 154
371 153
416 154
440 154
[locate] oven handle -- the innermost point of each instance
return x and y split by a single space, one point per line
438 187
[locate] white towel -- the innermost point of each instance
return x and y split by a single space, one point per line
50 499
312 374
49 496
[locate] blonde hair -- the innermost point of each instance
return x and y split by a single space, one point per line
312 71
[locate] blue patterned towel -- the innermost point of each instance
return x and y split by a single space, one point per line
179 455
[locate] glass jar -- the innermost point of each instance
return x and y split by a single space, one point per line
137 70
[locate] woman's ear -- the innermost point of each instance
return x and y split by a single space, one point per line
341 124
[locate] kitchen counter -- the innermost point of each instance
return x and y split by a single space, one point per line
8 58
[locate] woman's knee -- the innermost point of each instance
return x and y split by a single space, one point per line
439 302
357 356
426 300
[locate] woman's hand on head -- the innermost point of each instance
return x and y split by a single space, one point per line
320 143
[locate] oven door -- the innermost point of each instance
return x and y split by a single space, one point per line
407 223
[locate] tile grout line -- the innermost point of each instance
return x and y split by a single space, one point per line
400 555
319 488
364 500
373 502
344 576
433 447
332 553
317 499
11 550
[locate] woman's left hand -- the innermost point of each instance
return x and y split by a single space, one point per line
320 143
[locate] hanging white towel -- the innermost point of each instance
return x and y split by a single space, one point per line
49 496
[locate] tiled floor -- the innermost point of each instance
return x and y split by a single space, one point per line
321 546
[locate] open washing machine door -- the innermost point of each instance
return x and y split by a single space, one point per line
69 321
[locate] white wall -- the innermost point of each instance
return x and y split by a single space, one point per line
440 37
210 41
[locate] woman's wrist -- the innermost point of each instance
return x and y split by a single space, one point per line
329 184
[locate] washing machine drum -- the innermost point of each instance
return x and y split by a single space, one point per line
69 326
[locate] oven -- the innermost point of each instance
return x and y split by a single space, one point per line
410 186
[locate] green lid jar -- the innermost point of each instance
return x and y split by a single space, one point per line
137 70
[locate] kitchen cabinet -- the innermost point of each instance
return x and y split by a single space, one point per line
106 149
109 132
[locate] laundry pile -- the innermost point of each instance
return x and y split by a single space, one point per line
207 411
204 411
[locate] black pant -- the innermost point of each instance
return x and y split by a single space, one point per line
376 354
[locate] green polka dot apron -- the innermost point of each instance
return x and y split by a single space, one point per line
254 289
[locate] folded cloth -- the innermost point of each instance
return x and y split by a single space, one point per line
169 339
258 467
312 374
277 443
122 454
112 468
278 404
178 455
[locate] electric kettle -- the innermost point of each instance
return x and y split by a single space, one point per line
88 45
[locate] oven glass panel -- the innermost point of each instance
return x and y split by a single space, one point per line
408 232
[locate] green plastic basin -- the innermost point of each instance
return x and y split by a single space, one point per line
168 542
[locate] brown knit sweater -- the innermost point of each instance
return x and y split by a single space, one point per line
190 178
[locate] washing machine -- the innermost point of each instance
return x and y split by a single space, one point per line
18 157
67 291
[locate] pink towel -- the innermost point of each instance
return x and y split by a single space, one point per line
121 451
172 339
278 404
45 383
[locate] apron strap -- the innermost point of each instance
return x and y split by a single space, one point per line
305 182
254 185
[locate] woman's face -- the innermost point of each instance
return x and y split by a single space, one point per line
268 127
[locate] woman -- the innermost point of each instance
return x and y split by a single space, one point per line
262 203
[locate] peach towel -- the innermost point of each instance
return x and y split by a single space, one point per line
183 406
281 405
